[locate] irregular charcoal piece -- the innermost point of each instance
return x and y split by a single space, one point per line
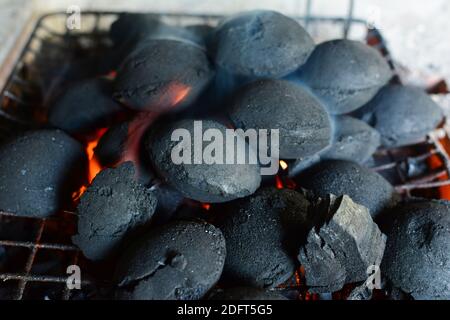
131 28
111 146
402 114
342 249
340 177
304 125
417 257
260 231
39 171
261 44
163 74
354 140
180 261
216 182
84 107
246 293
111 208
345 74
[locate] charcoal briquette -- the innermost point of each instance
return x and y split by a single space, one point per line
402 114
354 140
417 257
260 232
162 74
345 74
340 177
39 171
84 106
304 125
112 208
261 44
216 182
180 261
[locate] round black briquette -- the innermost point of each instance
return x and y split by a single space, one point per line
402 114
39 171
179 261
202 182
261 44
346 74
340 177
111 208
247 293
260 231
354 140
304 125
417 255
162 74
85 106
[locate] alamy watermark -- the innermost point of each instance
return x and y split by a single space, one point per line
73 21
235 147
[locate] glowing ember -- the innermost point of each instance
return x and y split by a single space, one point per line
278 182
206 206
94 165
181 93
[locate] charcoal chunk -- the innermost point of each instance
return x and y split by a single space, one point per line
180 261
39 171
261 44
111 208
402 114
246 293
85 106
304 125
340 177
260 232
341 250
215 182
162 74
346 74
417 257
354 140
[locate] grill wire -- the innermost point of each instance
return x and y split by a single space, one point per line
20 110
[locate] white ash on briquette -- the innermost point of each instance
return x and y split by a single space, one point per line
179 261
39 171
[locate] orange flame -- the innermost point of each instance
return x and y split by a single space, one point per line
94 166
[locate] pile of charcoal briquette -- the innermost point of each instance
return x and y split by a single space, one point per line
220 231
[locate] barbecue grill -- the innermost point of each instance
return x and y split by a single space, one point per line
34 261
